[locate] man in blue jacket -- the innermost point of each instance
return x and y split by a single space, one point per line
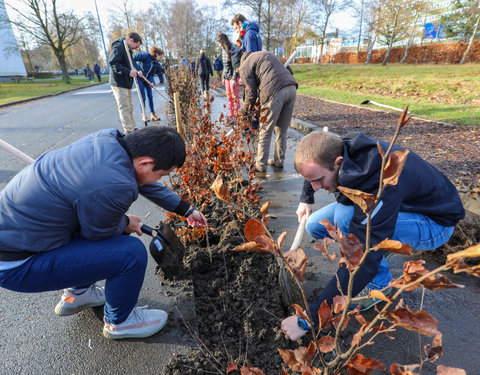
218 67
421 210
248 32
63 220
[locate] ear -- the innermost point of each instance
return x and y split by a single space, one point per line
338 162
142 162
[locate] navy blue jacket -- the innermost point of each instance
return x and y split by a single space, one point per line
218 64
82 190
147 64
96 69
421 189
230 66
203 66
120 65
252 41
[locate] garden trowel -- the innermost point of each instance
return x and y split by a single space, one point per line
291 292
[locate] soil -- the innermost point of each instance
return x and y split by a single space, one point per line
452 149
237 300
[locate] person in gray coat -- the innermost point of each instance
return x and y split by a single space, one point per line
264 73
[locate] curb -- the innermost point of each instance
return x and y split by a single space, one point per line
49 95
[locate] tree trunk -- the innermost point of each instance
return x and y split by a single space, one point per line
360 31
392 37
370 50
471 40
60 55
410 41
324 32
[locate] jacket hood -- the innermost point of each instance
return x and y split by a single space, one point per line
236 53
253 26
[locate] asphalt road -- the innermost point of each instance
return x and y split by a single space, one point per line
33 340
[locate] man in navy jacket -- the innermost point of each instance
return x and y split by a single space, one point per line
63 220
421 210
249 33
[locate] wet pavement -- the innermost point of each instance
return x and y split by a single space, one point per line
36 341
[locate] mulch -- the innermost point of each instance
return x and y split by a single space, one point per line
454 150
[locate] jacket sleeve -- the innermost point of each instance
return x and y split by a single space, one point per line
101 213
209 67
250 81
164 197
307 195
117 58
384 219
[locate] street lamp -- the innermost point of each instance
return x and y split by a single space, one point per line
103 39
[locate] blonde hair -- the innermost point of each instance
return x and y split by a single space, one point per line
320 147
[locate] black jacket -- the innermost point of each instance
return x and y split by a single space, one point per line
203 67
230 66
120 66
421 189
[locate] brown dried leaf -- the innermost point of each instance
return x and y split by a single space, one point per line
323 249
295 359
444 370
394 246
394 167
233 367
463 267
248 246
380 149
253 229
338 304
220 189
351 250
364 365
336 322
280 239
298 262
471 252
299 311
250 370
397 369
379 295
324 316
326 344
265 243
418 321
332 231
357 337
363 200
413 270
265 206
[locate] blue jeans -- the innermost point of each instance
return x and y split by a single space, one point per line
417 230
144 86
120 260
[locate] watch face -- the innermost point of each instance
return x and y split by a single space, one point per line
302 324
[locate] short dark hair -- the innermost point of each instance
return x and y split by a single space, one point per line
238 18
162 143
136 37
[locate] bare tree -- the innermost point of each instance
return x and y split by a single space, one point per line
372 18
123 14
48 26
292 24
418 7
325 9
256 7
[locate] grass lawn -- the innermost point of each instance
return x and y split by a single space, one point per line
12 91
449 93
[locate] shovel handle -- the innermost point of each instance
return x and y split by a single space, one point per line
299 234
147 230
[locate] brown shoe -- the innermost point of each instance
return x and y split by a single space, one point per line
154 117
274 163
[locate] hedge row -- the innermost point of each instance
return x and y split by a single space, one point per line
450 53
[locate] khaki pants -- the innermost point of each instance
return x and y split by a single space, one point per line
124 100
279 115
219 74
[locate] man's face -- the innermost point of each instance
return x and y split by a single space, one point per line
144 171
238 27
158 57
132 44
321 177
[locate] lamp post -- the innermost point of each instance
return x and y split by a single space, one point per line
101 33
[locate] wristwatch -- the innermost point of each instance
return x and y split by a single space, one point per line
302 324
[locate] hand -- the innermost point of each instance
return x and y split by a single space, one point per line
196 219
140 73
303 209
152 85
135 225
291 329
133 73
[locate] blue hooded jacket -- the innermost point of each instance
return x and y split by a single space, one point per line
147 64
82 190
252 41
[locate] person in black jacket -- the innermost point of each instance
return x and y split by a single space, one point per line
421 210
203 68
121 78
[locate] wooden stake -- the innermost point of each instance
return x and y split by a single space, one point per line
178 114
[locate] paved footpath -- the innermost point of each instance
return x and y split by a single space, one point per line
33 340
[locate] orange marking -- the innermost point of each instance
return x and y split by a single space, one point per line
69 299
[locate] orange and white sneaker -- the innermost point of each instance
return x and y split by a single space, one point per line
73 302
140 323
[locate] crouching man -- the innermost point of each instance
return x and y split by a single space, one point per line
62 221
421 210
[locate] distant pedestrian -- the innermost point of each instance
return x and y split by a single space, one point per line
218 67
230 76
184 61
97 70
89 73
204 70
248 32
148 63
121 78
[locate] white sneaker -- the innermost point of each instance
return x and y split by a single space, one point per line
72 303
140 323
